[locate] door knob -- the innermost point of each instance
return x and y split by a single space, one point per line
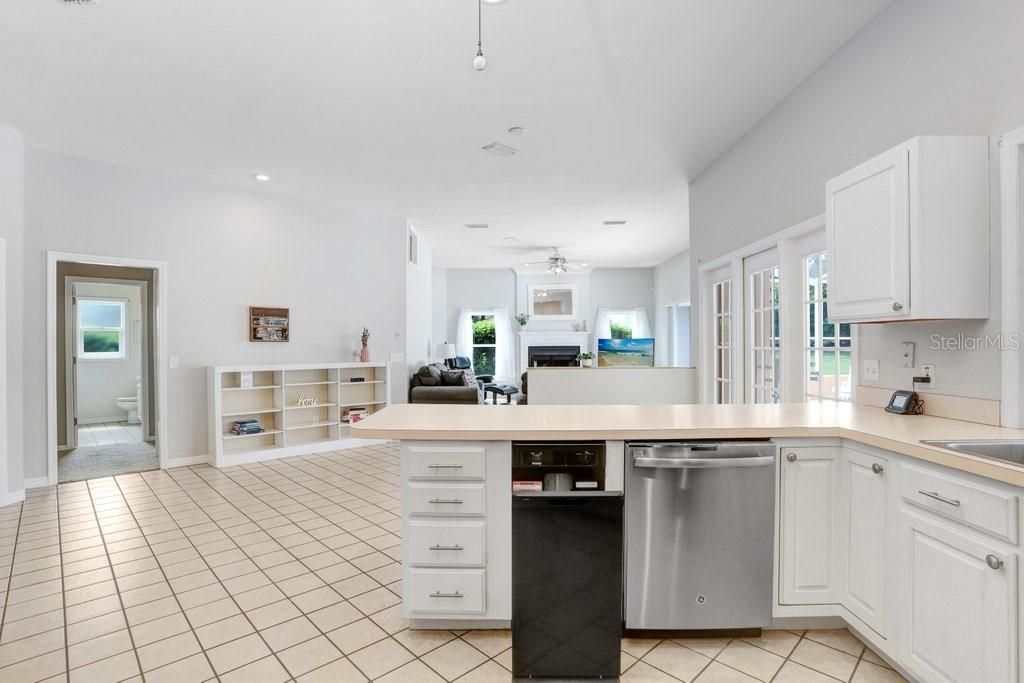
791 457
993 562
897 306
876 468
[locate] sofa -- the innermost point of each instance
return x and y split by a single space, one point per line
435 383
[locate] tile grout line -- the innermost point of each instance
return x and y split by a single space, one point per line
10 572
289 598
174 593
230 595
117 587
388 636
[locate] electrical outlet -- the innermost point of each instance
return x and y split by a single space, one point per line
869 371
908 354
928 370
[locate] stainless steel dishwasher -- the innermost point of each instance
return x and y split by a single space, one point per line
699 527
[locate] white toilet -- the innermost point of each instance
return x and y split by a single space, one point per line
130 404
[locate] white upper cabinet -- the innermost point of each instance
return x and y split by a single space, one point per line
908 233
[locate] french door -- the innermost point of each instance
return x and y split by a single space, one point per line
762 317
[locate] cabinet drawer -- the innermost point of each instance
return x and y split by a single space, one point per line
441 544
985 509
444 499
445 590
446 462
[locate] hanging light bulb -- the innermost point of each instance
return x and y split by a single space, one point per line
479 62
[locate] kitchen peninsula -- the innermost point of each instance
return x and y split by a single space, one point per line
871 526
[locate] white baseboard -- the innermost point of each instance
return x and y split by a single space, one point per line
12 498
188 462
100 420
36 482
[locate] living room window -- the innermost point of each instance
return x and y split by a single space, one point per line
101 329
828 346
484 344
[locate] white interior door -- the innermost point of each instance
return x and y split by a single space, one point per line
70 363
762 306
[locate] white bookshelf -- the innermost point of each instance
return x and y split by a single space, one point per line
290 428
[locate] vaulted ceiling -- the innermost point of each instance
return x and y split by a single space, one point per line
375 104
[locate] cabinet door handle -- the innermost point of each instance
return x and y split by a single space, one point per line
439 466
791 457
439 594
876 468
455 501
993 562
446 547
934 495
897 306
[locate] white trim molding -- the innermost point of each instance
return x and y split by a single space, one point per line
1011 149
160 282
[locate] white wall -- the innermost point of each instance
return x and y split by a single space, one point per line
622 288
438 306
671 286
12 231
419 319
101 381
921 67
337 269
478 288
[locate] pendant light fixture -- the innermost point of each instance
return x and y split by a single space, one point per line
479 62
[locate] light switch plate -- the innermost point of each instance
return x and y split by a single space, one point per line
397 357
869 371
172 361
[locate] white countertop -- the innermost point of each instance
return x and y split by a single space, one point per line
864 424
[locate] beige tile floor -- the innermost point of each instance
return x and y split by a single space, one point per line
109 433
286 570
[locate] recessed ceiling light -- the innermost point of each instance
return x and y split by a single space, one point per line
477 226
612 224
511 238
500 149
261 177
516 130
584 265
495 2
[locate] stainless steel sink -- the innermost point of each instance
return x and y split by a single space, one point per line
1007 451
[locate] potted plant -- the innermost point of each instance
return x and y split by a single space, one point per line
522 319
586 359
364 352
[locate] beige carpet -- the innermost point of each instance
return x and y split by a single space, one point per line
91 462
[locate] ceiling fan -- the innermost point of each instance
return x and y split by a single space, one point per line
556 264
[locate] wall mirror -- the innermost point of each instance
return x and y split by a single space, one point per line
553 302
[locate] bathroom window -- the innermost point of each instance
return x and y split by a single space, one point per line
101 329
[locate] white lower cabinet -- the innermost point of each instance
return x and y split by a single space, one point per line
958 608
809 528
921 560
863 548
456 531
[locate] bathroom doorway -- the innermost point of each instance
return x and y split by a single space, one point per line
105 357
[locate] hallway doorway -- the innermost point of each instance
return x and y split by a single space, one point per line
104 343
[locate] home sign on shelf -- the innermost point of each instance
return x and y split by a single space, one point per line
303 402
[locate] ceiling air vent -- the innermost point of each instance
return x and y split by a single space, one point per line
477 226
79 2
500 149
612 224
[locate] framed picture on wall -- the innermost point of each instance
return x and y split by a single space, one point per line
268 324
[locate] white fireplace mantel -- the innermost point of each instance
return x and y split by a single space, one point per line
528 338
